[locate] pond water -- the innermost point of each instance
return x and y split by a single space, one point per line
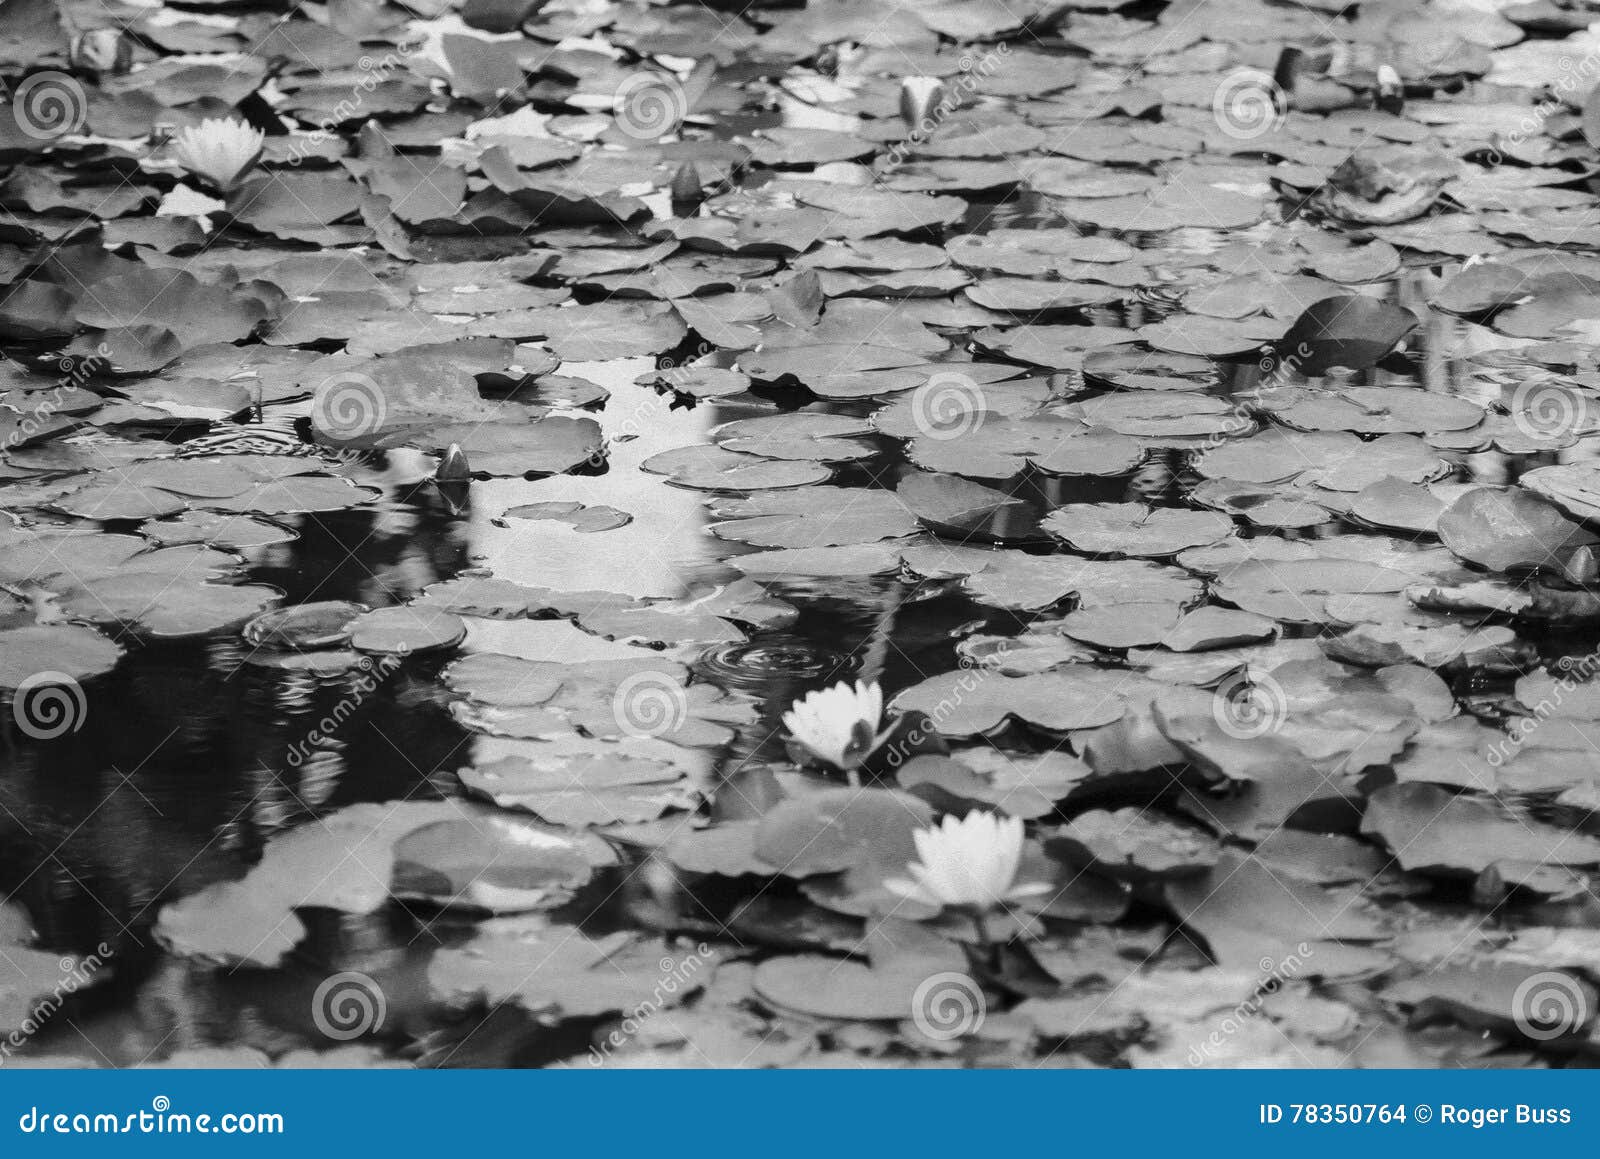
1355 800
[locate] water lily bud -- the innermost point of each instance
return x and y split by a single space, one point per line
919 95
371 144
101 50
1489 888
1582 566
686 184
1391 97
453 467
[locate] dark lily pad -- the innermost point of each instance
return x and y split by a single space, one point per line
1351 330
1510 529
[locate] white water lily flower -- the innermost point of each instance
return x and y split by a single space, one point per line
838 725
970 862
220 149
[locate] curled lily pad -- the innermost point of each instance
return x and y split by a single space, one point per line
307 627
960 508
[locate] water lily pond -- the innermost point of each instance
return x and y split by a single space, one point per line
856 533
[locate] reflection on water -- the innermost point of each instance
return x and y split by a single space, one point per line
659 552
